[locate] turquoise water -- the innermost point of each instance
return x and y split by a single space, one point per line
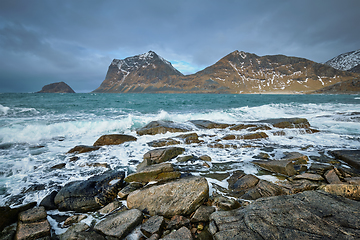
36 131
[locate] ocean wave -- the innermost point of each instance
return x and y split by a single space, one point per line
4 110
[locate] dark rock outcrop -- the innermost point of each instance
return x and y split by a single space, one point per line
351 157
91 194
157 127
83 149
59 87
114 139
307 215
10 215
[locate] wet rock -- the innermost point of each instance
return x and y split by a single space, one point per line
32 224
353 180
154 225
187 158
296 158
301 185
309 176
202 214
264 189
243 182
242 126
183 233
331 177
160 155
111 207
83 149
163 142
205 124
73 219
351 157
9 232
319 168
189 138
131 187
120 224
48 201
345 190
10 215
285 167
156 172
157 127
307 215
59 166
114 139
179 197
71 232
216 175
226 204
262 155
288 122
104 165
205 158
177 222
91 194
257 135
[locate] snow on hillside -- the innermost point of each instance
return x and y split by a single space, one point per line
345 61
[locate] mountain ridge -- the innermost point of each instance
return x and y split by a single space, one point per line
349 61
237 72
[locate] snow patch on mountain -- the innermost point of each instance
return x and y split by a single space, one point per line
345 61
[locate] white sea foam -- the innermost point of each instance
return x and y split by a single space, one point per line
4 110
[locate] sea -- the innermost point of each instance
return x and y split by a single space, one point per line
37 130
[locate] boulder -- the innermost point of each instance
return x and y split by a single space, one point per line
157 127
114 139
154 225
296 157
205 124
163 142
287 122
331 177
91 194
353 180
179 197
48 201
189 138
32 224
156 172
307 215
160 155
177 222
300 185
111 207
285 167
309 176
250 136
71 232
351 157
120 224
83 149
10 215
264 189
225 203
202 214
129 189
73 219
183 233
345 190
243 126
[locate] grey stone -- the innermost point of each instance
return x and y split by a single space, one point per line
48 201
163 142
156 172
71 231
133 186
160 155
83 149
351 157
120 224
154 225
331 177
306 215
91 194
205 124
183 233
157 127
178 197
285 167
32 230
309 176
202 214
33 215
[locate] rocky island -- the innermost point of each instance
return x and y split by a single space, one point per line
59 87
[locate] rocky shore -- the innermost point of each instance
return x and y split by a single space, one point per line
165 198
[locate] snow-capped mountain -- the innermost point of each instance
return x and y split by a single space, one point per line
238 72
135 70
349 61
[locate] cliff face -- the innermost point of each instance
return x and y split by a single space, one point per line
59 87
238 72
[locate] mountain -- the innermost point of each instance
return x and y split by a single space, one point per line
59 87
346 87
238 72
134 74
349 61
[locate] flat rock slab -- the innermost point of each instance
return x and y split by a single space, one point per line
156 172
205 124
157 127
285 167
154 225
33 230
179 197
120 224
114 139
345 190
307 215
310 176
33 215
351 157
287 122
183 233
83 149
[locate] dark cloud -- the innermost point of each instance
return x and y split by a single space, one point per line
74 41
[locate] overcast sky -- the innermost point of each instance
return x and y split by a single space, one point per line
46 41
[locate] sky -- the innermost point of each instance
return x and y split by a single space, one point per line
47 41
